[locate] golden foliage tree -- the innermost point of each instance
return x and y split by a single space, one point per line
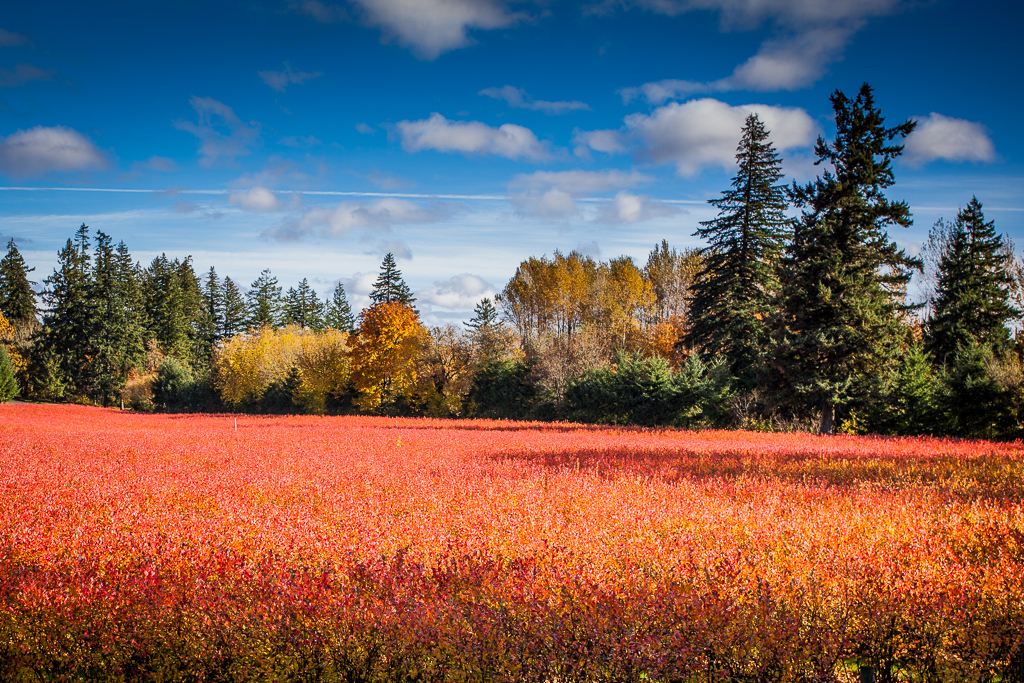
384 355
246 365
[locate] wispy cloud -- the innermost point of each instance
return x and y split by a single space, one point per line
380 215
280 80
221 133
809 36
24 73
553 194
460 292
518 98
8 39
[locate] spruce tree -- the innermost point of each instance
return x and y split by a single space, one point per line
235 312
485 328
302 307
176 310
213 299
117 334
339 313
390 287
843 281
68 317
17 300
971 302
264 299
735 292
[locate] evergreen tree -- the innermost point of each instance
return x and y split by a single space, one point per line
213 298
264 299
117 334
734 295
339 313
843 280
17 300
485 328
8 382
302 307
971 303
68 318
235 313
390 287
176 309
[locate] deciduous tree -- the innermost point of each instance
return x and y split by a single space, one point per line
384 355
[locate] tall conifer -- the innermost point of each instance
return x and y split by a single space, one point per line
971 303
236 313
339 313
68 316
734 295
844 280
264 299
17 300
390 287
302 307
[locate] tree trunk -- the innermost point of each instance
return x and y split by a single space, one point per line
827 412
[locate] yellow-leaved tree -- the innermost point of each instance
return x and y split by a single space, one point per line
246 365
384 354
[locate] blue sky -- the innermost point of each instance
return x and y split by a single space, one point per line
310 137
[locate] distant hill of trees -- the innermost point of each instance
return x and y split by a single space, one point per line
778 323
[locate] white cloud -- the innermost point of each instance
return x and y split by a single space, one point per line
280 80
339 220
607 141
519 99
702 133
41 150
257 199
365 129
472 137
459 292
432 27
358 288
154 163
553 194
580 182
221 133
24 73
631 208
810 35
943 137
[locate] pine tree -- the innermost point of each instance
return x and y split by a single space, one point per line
843 280
235 312
17 300
971 303
390 287
339 313
734 294
302 307
264 299
68 316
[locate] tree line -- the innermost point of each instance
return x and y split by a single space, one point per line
780 322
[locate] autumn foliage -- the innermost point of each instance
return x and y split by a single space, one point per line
166 547
384 354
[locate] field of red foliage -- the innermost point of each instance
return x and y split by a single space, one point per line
164 548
